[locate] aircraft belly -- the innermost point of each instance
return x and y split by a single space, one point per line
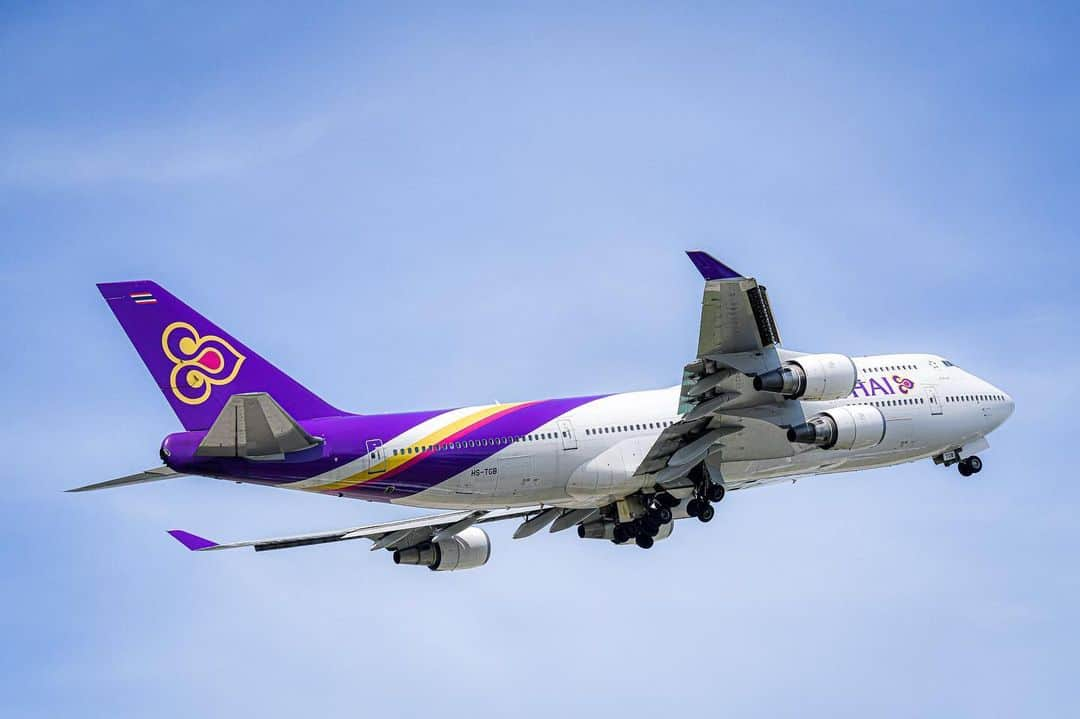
817 461
610 473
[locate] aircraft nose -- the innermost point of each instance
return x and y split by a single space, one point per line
1007 402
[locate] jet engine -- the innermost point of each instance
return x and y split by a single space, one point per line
468 549
857 426
812 377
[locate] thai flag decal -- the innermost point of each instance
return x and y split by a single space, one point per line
143 298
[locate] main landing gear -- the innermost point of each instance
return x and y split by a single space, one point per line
644 529
969 466
705 494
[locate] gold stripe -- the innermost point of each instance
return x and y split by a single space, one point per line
393 461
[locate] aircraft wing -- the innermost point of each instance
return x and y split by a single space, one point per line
717 438
388 535
735 312
737 339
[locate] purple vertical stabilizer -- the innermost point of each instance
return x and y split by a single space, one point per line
194 362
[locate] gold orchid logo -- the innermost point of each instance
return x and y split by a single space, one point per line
200 362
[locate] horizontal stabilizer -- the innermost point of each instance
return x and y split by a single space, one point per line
150 475
254 426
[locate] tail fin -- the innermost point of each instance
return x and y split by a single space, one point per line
195 363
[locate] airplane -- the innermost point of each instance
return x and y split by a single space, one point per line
620 467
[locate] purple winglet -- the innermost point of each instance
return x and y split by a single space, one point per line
191 541
710 267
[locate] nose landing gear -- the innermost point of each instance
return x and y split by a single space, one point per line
969 466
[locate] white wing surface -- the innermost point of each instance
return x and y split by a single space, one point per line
723 417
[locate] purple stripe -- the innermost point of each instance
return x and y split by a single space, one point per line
346 439
440 466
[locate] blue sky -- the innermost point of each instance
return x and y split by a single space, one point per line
426 206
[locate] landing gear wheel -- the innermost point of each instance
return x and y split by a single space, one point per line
974 464
964 468
650 527
644 541
622 533
662 514
716 492
705 514
693 507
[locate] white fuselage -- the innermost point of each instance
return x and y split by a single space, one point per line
588 456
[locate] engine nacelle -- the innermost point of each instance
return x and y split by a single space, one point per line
857 426
468 549
812 377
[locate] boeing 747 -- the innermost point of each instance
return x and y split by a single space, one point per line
620 467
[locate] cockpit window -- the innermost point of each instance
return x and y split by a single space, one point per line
947 363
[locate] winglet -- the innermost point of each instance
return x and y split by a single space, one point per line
710 267
193 542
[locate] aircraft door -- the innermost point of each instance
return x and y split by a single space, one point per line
376 456
567 434
932 398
